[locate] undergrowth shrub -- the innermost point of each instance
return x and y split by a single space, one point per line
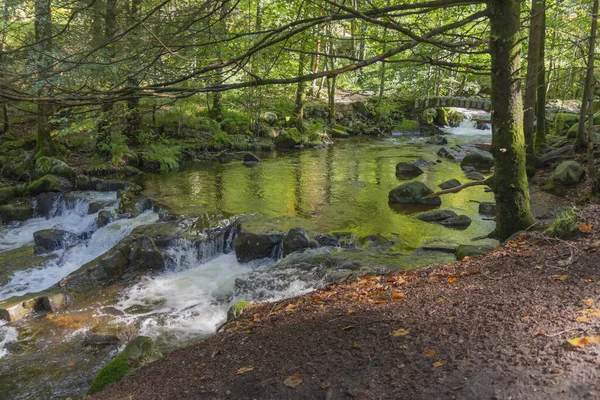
564 226
166 155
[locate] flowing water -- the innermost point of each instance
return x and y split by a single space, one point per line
342 188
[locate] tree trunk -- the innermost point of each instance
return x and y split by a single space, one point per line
594 186
513 212
582 141
300 94
531 81
540 111
134 117
43 47
4 123
216 111
103 138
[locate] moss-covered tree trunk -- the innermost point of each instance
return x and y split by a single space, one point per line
540 105
300 94
592 174
4 124
513 212
531 81
43 48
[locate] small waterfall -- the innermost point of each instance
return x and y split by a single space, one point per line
71 259
69 213
8 335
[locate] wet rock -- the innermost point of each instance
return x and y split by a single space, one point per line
379 240
460 221
269 117
408 170
95 206
128 170
49 183
437 140
476 176
249 157
84 182
95 340
413 193
452 183
134 255
45 204
105 217
297 240
110 186
251 246
471 250
454 153
468 169
436 215
17 211
53 166
48 240
431 130
567 173
17 308
482 161
224 158
441 249
487 208
483 126
423 163
288 140
138 353
327 240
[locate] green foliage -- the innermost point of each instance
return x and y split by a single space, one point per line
564 226
236 122
428 116
408 125
166 156
117 148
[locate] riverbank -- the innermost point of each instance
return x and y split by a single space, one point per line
499 326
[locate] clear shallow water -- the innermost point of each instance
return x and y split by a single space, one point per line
343 187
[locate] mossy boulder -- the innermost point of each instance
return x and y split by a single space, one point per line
139 352
436 216
563 122
49 183
413 193
567 173
236 310
452 183
9 193
405 169
288 139
16 211
53 166
297 240
460 221
48 240
482 161
471 250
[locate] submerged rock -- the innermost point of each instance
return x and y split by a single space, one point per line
452 183
482 161
413 193
140 352
408 170
436 215
438 140
460 221
487 208
567 173
476 176
16 308
48 240
471 250
251 246
297 240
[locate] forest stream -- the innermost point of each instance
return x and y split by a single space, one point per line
342 188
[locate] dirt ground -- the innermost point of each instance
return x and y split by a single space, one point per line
496 327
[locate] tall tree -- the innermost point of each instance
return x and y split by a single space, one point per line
595 187
513 212
582 141
540 105
533 68
4 123
43 48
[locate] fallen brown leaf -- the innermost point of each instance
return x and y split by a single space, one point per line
440 363
583 318
584 341
558 277
452 279
400 332
430 353
293 380
588 302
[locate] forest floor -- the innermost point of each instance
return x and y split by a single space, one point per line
522 322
